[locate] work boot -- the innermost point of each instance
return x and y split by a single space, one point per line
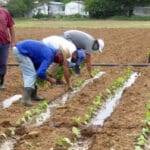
26 100
34 95
2 87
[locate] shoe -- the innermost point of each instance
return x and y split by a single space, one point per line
2 87
34 95
26 100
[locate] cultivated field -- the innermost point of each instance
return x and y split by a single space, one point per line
70 122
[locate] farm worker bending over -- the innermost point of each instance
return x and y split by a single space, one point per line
70 52
84 41
7 38
67 48
34 59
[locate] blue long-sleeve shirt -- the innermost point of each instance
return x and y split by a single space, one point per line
41 55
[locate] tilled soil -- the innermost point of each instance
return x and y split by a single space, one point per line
61 123
121 129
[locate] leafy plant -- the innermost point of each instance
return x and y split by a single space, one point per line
64 142
143 137
95 71
76 132
77 120
40 82
33 112
78 83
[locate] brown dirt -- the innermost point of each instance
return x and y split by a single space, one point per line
120 131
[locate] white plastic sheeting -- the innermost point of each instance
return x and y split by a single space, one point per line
8 102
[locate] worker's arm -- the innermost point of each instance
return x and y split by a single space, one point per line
67 74
88 64
12 36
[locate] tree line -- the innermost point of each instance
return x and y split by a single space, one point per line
96 8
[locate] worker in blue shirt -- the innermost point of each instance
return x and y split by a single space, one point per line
34 59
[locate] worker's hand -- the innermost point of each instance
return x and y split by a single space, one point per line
91 76
69 88
51 80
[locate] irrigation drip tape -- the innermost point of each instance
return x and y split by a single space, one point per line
121 65
103 65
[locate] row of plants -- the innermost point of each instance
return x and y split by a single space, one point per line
31 114
28 116
42 106
98 100
145 133
79 121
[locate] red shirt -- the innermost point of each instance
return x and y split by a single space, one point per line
6 22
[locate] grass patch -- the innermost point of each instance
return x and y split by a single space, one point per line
94 24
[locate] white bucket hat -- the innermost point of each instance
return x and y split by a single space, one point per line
101 44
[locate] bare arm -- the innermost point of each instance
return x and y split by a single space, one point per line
88 64
12 36
67 74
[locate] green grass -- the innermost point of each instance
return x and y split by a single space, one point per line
28 23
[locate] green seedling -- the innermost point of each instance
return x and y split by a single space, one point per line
76 132
77 120
138 148
86 118
40 82
95 71
33 112
148 55
141 140
147 118
78 83
147 106
64 142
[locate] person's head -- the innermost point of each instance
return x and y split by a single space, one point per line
98 45
78 56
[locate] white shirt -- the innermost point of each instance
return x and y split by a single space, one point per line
58 42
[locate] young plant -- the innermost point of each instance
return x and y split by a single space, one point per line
63 142
78 83
95 71
76 132
148 55
77 120
32 113
143 137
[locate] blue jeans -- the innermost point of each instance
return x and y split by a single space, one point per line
4 49
27 68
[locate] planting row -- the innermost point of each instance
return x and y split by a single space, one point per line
30 115
62 126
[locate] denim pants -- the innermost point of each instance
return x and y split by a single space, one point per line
4 49
27 68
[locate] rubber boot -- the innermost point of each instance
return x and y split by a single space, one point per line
34 95
27 96
2 87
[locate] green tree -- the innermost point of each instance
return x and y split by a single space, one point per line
106 8
19 8
102 8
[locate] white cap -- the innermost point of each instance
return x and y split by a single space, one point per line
101 44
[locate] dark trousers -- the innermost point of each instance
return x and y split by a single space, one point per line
4 48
